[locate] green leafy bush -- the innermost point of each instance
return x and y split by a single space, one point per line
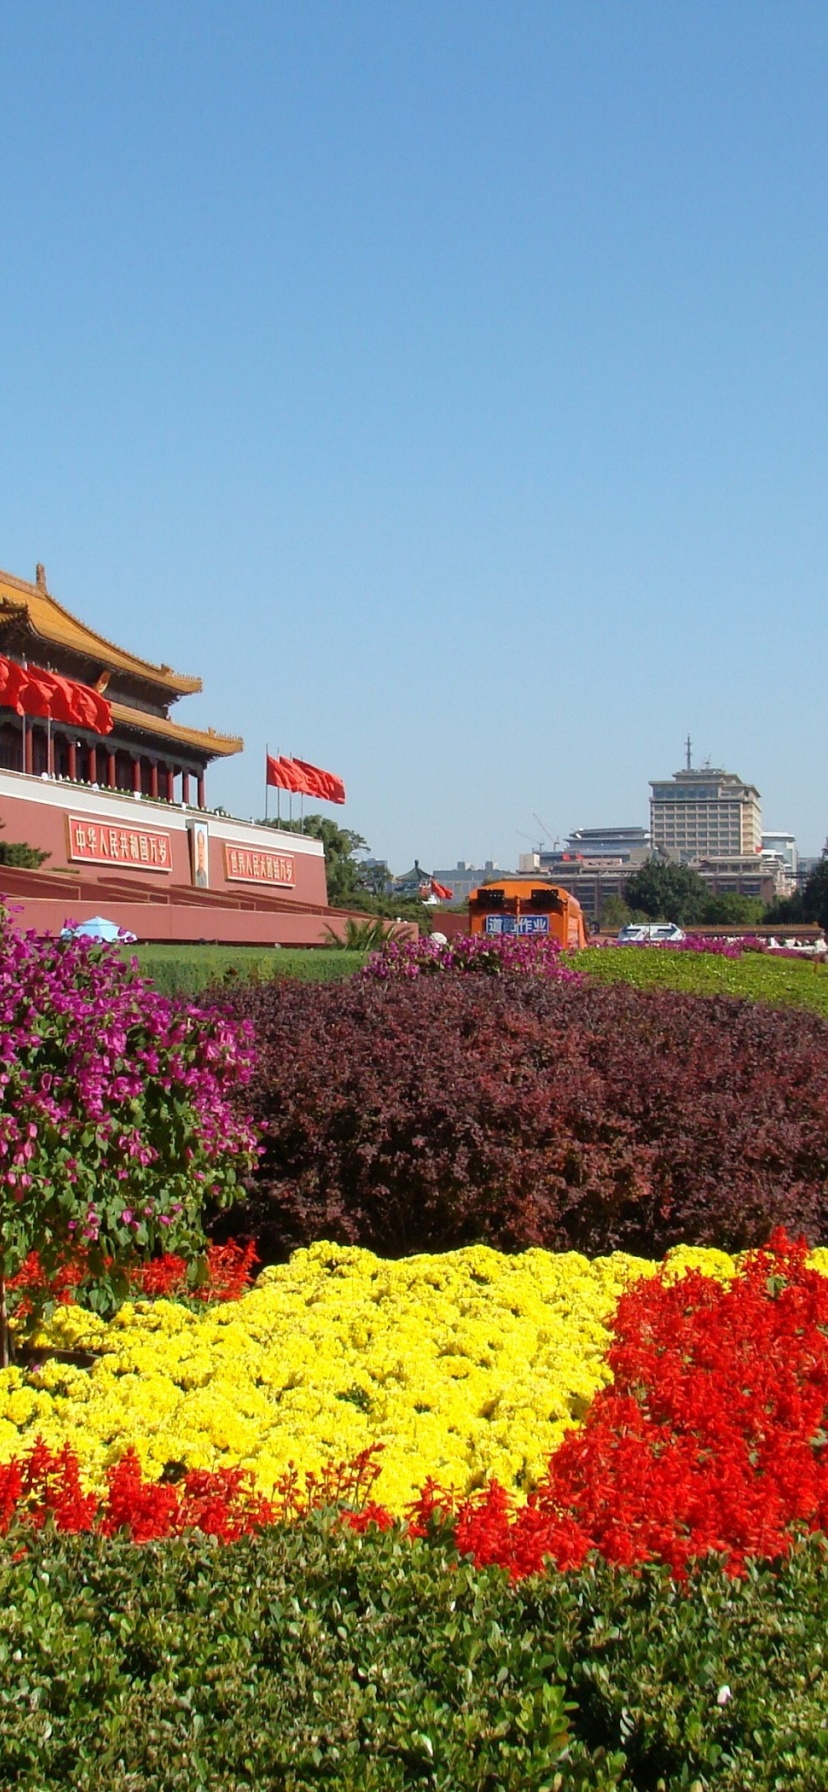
317 1658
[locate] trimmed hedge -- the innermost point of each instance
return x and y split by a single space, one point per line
756 977
421 1116
313 1657
182 970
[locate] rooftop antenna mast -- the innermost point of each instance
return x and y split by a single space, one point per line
687 747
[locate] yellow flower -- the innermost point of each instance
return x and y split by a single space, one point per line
463 1365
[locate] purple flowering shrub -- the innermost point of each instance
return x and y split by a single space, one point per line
117 1115
491 954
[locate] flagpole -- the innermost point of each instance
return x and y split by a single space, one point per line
267 755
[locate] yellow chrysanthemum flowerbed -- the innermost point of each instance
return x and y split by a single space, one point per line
463 1365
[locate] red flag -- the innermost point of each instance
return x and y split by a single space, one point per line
286 774
37 692
91 709
324 784
12 681
306 780
32 691
441 891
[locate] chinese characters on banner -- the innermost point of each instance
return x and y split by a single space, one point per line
98 843
242 865
531 924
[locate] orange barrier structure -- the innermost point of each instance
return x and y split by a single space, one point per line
530 909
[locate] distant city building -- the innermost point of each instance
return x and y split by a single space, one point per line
610 843
753 874
785 846
602 850
803 870
462 878
706 814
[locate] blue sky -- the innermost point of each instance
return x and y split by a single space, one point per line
444 382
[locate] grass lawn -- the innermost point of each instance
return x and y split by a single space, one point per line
781 982
187 969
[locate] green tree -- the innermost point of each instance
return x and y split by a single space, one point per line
17 853
732 909
350 884
341 845
808 904
614 914
787 909
815 893
667 892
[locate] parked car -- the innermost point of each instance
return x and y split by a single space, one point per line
98 929
655 933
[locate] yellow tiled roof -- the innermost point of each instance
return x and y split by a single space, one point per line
51 622
217 745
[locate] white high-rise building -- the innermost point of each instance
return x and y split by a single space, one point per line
706 814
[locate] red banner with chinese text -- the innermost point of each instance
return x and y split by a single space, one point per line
243 865
108 843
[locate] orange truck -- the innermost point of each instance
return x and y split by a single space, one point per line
532 910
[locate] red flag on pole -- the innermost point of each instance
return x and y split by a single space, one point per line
324 784
306 780
285 774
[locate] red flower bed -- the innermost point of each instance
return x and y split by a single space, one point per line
224 1504
710 1438
229 1272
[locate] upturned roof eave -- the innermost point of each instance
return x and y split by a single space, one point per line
51 622
206 741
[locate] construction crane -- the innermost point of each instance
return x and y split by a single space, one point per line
547 831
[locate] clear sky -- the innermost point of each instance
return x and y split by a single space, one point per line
444 381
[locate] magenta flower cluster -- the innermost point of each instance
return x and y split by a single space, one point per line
695 942
491 954
118 1109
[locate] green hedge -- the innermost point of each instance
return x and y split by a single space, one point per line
782 982
314 1658
187 970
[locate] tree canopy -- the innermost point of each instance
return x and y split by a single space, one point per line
351 884
815 893
667 892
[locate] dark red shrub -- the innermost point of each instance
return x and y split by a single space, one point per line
409 1117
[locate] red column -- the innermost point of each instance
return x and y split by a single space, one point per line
136 776
111 773
185 788
201 796
154 780
73 760
170 785
93 765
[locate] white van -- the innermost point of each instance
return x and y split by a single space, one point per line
650 933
